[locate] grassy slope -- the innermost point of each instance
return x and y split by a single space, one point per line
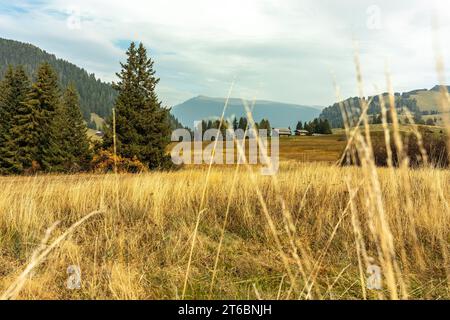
427 100
99 121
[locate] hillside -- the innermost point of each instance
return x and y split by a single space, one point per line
420 102
279 114
95 96
427 100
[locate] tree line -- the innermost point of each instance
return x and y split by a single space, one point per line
242 124
317 126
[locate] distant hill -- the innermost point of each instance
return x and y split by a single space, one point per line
427 100
420 101
95 96
279 114
438 88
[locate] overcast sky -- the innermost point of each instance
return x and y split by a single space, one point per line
282 50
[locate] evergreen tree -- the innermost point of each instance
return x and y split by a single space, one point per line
74 132
6 106
13 91
308 127
267 126
36 135
327 127
242 123
204 127
299 126
315 125
235 124
264 125
320 127
142 125
6 101
174 123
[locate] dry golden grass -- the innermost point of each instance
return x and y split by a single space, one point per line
325 148
138 247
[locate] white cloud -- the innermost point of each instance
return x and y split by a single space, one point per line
281 50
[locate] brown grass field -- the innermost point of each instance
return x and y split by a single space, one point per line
307 233
326 149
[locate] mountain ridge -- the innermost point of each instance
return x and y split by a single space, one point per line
279 114
261 101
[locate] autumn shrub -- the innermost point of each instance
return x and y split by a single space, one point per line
104 162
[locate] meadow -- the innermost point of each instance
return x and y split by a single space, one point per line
229 233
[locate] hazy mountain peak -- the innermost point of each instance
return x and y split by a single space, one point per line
279 114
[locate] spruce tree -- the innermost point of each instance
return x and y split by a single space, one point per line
327 127
73 131
267 124
261 124
142 125
36 132
6 93
13 91
235 124
307 126
242 123
6 89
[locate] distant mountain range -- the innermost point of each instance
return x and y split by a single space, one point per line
279 114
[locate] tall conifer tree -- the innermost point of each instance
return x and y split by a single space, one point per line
142 125
13 91
243 123
36 122
6 101
74 138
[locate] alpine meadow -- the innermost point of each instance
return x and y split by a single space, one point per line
177 173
